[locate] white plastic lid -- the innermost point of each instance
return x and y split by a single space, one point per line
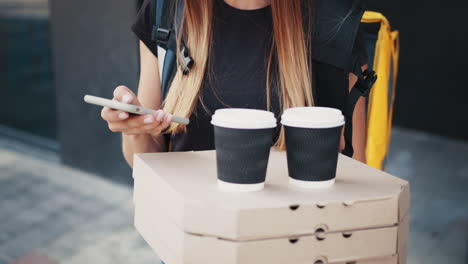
241 118
312 117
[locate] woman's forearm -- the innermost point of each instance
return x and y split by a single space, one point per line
143 143
359 130
149 95
359 123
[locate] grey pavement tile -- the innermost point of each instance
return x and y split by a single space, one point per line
454 242
74 180
4 236
5 161
79 218
23 208
5 172
123 247
43 213
442 258
16 184
111 219
463 171
91 232
34 227
11 208
21 180
35 236
5 259
43 203
421 244
34 258
413 260
439 214
86 185
456 238
436 168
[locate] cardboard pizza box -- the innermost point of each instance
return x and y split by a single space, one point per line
174 246
183 186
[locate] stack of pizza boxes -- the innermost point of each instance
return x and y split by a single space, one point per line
186 219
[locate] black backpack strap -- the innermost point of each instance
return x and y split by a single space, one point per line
335 32
168 71
166 24
162 33
362 88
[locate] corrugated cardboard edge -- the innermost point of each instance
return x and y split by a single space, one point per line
187 245
404 199
404 217
172 243
404 205
159 248
402 240
404 196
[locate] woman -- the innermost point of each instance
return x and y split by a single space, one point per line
247 53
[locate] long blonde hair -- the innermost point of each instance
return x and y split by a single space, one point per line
290 50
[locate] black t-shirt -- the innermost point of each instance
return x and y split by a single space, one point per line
241 43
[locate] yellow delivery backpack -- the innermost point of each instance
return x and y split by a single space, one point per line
383 54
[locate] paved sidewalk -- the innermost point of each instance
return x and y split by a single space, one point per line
437 169
49 213
53 214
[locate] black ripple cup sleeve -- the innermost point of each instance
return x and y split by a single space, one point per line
243 139
312 145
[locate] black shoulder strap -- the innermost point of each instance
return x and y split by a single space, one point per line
335 32
362 88
166 24
163 32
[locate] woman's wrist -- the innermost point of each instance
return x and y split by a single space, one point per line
160 142
142 143
135 138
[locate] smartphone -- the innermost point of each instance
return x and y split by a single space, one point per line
129 108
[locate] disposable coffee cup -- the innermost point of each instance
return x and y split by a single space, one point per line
312 145
243 138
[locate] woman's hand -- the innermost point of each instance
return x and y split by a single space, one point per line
120 121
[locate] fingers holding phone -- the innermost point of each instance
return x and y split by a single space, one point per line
121 121
125 95
121 94
147 124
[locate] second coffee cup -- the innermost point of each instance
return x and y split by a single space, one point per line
312 145
243 138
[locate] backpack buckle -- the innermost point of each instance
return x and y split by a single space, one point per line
161 36
186 62
365 82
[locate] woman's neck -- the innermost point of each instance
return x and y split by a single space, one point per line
249 4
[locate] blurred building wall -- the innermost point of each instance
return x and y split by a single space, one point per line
432 86
94 51
26 86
